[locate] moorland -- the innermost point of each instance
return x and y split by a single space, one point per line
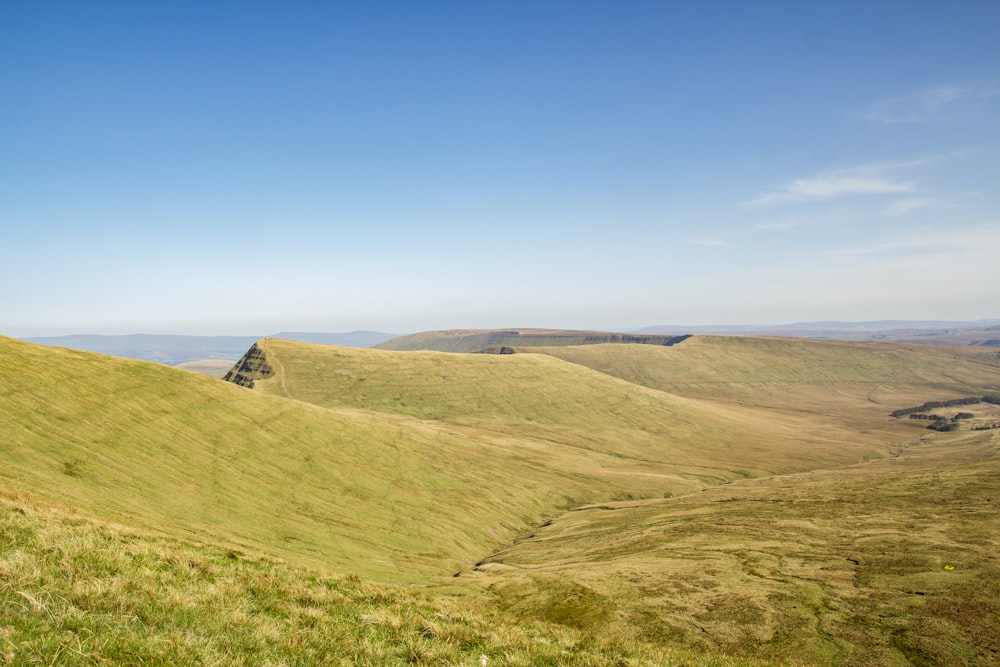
719 500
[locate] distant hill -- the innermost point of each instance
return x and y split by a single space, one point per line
480 340
934 332
174 350
801 374
216 368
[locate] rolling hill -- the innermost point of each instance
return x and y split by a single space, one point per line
887 562
564 405
186 456
174 350
726 496
930 332
478 340
803 375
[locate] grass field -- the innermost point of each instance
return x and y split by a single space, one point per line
887 562
852 380
78 592
609 504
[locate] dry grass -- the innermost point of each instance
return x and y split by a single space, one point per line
404 467
77 592
879 563
852 380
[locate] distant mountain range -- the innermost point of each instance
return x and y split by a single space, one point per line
173 350
937 332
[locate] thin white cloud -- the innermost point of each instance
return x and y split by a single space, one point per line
977 240
777 225
925 103
707 241
873 179
935 97
914 272
904 206
909 276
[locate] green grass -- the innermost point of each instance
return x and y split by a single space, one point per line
77 592
192 457
566 407
405 466
879 563
824 377
151 515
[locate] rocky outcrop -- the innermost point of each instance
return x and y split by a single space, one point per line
252 366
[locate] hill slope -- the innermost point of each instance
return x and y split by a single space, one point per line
401 467
888 562
567 409
174 350
405 466
924 332
805 375
77 592
476 340
154 447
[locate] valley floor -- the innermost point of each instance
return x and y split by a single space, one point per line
894 561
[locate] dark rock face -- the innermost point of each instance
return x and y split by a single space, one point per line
252 366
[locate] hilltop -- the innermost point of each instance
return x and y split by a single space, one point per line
985 333
174 350
479 340
930 332
797 374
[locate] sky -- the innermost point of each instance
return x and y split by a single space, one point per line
212 167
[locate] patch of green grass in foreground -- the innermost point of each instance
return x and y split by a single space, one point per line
76 592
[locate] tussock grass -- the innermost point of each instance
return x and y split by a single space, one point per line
74 591
879 563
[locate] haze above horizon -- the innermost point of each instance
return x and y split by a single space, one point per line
223 168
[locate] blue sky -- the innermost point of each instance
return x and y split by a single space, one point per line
222 167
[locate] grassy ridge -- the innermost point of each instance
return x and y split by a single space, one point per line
890 562
822 377
475 340
571 410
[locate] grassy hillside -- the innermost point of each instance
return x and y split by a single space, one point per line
249 510
188 456
823 377
565 412
75 591
175 350
475 340
425 465
889 562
